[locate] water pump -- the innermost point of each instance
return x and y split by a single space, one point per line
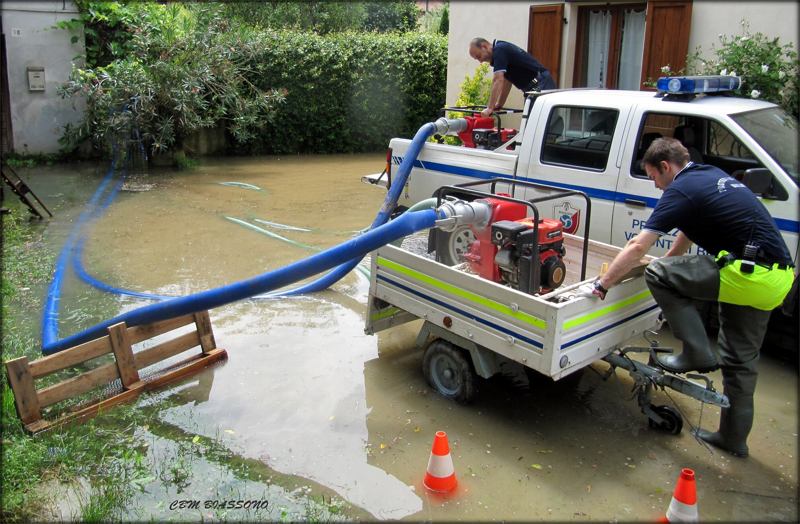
516 251
482 133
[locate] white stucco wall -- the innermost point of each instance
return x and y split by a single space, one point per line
710 19
38 117
503 20
509 21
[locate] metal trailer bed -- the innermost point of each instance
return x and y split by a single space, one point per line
479 321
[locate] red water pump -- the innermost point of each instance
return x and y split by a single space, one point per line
482 133
510 251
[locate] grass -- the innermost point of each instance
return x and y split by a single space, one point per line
62 454
19 160
108 454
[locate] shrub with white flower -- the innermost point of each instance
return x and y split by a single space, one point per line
768 69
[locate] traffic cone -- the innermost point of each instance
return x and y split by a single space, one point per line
441 475
683 507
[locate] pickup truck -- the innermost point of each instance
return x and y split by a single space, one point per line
593 141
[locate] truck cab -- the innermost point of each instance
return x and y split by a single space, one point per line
594 140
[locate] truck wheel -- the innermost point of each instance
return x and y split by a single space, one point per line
673 422
448 371
451 247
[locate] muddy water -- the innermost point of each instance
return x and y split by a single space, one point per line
308 395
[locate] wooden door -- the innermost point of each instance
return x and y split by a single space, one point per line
544 36
666 37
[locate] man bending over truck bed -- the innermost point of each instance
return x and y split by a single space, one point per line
749 276
512 65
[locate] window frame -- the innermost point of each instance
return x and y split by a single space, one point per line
615 45
545 145
703 145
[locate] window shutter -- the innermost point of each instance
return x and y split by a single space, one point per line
666 37
544 36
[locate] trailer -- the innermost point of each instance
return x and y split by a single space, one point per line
473 324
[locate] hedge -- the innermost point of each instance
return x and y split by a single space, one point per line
345 92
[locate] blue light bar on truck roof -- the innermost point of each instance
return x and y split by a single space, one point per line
684 85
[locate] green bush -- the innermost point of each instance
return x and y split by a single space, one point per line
767 69
182 73
399 15
435 20
346 92
475 91
188 67
323 17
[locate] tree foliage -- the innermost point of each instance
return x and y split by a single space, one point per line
767 69
399 15
176 68
348 92
326 17
183 70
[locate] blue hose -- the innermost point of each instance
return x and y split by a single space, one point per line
389 204
355 248
50 311
342 265
81 272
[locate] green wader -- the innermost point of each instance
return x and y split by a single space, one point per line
675 283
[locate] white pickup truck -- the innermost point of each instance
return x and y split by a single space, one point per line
593 141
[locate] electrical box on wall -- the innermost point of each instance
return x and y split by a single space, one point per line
35 78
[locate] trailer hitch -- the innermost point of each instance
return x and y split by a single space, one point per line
647 377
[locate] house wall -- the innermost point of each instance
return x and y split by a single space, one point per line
509 21
710 19
38 117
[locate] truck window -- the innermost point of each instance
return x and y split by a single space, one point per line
707 141
776 131
579 137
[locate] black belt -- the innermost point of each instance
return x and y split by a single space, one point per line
778 265
730 258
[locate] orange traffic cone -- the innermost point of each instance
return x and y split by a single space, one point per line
440 476
683 507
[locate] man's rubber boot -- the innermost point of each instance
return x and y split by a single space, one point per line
697 356
734 426
685 363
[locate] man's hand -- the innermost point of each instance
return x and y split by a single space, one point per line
487 112
598 290
592 289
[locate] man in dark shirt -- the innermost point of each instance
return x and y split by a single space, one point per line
512 66
749 274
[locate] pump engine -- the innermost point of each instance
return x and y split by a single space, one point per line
482 133
512 251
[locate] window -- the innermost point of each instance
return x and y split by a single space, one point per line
579 137
775 131
610 46
707 141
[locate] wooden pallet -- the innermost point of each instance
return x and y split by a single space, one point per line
119 341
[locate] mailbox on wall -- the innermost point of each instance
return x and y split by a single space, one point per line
35 78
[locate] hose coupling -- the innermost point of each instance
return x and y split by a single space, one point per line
450 126
455 213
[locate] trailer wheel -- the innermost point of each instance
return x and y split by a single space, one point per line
448 371
451 247
673 422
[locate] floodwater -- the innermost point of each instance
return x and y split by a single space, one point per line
328 410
